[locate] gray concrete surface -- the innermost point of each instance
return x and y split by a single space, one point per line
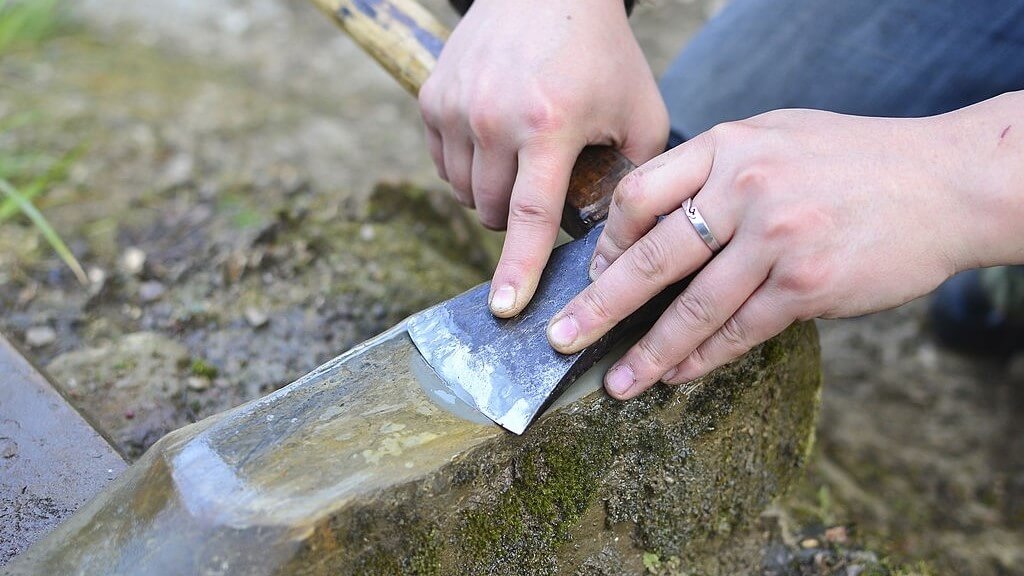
51 460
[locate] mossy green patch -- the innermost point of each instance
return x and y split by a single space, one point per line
554 484
203 368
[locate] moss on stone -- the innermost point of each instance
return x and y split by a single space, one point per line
554 482
595 484
604 483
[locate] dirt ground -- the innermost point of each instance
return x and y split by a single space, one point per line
222 191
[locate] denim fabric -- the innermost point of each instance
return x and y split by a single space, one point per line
867 57
897 58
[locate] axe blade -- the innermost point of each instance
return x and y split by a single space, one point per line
506 368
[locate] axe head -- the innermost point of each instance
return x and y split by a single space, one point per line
506 368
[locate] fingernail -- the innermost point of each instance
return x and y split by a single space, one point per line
503 299
670 376
620 379
597 266
563 332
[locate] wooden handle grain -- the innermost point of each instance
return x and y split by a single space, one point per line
406 40
401 35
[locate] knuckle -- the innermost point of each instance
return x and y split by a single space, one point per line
629 195
734 334
753 179
483 123
648 259
449 111
531 213
428 101
464 198
611 245
652 354
781 228
516 266
805 279
694 366
693 309
462 183
491 219
793 223
596 303
540 116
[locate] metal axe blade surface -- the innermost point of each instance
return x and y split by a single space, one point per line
505 367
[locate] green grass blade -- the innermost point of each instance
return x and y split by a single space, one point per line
48 232
26 22
9 207
56 173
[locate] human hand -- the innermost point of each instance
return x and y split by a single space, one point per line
821 215
519 90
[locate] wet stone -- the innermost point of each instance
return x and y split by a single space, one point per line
365 466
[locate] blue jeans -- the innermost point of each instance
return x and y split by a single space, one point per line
896 58
866 57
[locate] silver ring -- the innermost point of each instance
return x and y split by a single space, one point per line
701 225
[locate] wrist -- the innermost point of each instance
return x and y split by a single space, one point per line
986 179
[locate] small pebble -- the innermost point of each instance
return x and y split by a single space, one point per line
97 280
256 317
197 384
177 171
151 291
366 232
837 535
810 543
39 336
128 415
133 261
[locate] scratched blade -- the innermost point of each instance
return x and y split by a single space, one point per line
505 367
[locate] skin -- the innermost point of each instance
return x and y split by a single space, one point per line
519 90
822 215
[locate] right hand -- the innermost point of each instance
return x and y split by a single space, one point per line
519 90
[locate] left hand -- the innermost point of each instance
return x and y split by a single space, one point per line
821 215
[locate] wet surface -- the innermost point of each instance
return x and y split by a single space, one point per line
357 446
356 425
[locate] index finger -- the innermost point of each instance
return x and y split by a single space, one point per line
535 211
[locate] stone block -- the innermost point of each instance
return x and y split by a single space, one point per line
361 467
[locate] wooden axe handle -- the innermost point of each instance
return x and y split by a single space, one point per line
406 40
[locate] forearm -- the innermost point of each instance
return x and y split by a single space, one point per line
987 153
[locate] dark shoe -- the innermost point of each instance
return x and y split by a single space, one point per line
970 314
